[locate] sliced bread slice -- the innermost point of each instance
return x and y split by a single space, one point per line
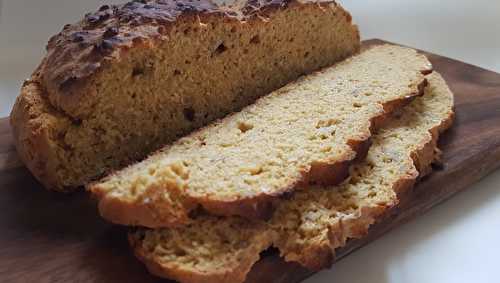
315 221
306 132
322 220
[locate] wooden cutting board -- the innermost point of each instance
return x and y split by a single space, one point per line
50 237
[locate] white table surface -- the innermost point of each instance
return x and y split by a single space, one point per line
455 242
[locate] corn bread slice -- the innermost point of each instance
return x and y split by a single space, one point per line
307 132
308 227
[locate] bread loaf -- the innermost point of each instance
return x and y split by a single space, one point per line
308 227
130 78
307 132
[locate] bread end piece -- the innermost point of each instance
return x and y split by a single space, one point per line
34 126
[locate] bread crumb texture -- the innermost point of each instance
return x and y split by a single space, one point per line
131 78
315 221
268 148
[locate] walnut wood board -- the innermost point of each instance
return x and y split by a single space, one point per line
50 237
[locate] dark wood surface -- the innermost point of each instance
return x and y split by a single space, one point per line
50 237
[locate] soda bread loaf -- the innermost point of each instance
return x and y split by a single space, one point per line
130 78
308 227
307 132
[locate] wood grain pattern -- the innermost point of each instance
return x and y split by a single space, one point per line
50 237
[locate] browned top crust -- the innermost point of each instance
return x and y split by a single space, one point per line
82 48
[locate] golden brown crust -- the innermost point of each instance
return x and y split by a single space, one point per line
134 213
32 131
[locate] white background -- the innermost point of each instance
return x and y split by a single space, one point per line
458 241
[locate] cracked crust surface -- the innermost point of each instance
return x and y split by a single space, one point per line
308 227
